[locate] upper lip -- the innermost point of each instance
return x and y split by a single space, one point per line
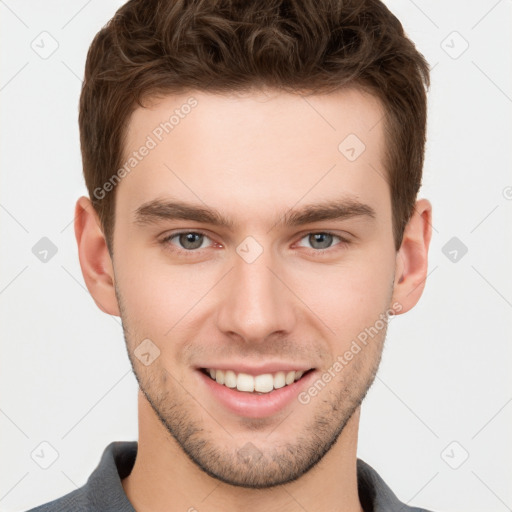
258 369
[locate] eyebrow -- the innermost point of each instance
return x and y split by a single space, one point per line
158 210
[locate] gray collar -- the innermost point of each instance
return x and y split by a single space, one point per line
104 492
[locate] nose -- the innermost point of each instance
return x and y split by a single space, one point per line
256 304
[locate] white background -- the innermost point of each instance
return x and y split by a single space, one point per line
65 374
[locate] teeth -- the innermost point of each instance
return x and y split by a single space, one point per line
279 380
261 383
230 379
245 382
264 383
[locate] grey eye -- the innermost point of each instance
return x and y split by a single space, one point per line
320 240
191 240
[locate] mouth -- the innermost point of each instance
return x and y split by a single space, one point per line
255 384
253 392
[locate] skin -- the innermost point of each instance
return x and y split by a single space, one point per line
253 157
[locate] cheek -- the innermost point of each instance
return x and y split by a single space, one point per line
160 298
350 296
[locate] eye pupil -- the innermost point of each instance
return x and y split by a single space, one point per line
325 240
187 240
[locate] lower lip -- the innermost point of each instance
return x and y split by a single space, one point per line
251 405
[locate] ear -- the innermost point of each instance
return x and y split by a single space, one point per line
412 258
95 261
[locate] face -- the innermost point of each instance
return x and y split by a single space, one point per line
251 247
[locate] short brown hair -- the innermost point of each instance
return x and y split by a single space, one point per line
153 48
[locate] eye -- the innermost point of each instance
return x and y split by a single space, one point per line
190 242
322 240
187 241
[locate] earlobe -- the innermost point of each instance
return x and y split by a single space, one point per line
412 257
95 260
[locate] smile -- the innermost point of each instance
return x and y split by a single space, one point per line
264 383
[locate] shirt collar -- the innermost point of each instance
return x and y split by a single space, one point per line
104 489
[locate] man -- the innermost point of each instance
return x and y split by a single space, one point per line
253 170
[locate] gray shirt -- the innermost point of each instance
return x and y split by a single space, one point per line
103 491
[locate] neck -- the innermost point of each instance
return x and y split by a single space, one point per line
164 478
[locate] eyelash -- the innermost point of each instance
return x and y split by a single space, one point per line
316 252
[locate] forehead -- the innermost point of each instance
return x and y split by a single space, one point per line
255 149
